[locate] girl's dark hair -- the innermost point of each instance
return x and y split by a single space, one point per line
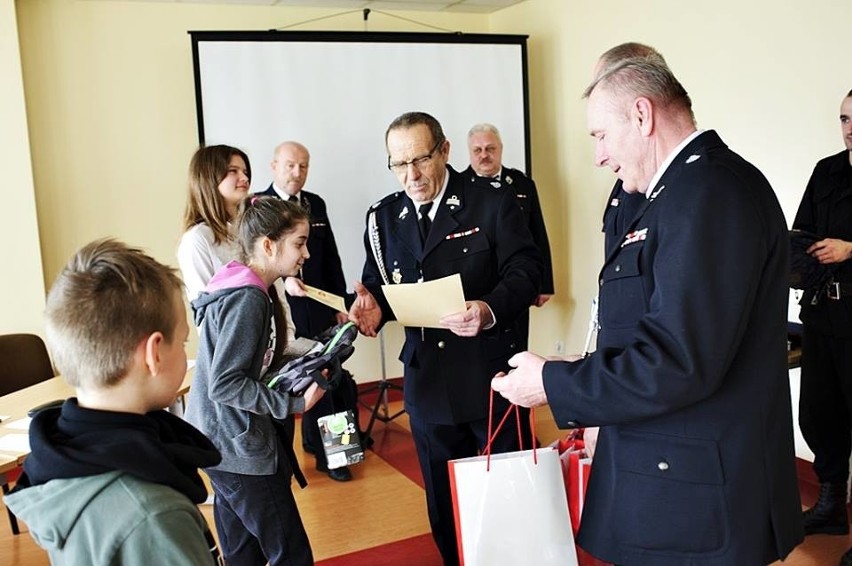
209 167
270 217
260 217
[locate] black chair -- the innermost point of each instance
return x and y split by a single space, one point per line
24 361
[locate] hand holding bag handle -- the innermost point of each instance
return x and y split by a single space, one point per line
491 437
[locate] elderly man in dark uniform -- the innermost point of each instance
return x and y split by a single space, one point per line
290 164
439 226
486 169
695 462
825 405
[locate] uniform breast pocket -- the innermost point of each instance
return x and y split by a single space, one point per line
622 291
319 229
671 485
404 269
466 249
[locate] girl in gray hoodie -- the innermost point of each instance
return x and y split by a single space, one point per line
242 334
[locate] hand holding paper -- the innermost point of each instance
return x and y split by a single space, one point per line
425 304
476 316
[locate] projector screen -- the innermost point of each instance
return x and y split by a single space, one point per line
337 92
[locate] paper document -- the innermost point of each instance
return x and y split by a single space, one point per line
423 304
15 443
20 424
328 299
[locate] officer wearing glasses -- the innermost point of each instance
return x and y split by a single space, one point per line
436 226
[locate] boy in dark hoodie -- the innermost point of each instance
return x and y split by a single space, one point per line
242 334
112 478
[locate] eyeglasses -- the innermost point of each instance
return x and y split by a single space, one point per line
417 162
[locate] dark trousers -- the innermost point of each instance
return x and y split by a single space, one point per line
257 519
344 397
436 445
825 403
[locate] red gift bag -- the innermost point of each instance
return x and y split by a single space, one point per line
576 467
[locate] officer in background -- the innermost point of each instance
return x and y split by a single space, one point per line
439 226
825 404
323 269
486 170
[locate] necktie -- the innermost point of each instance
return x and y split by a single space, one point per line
294 199
424 222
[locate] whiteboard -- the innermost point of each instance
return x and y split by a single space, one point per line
336 93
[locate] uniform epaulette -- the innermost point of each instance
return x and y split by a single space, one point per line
387 200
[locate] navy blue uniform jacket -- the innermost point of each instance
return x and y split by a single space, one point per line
527 195
322 270
695 464
479 234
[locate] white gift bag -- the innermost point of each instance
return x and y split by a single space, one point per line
514 513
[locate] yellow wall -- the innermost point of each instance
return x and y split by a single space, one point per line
111 105
21 286
111 110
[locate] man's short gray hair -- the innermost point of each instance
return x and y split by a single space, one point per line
645 77
484 128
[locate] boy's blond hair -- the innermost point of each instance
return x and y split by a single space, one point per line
107 298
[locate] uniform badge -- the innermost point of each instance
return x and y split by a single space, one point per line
396 276
657 192
403 213
614 202
693 158
453 201
473 230
508 180
635 236
496 184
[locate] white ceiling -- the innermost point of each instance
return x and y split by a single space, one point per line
475 6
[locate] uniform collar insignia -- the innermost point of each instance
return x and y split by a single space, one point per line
508 180
656 193
693 158
403 213
614 202
453 201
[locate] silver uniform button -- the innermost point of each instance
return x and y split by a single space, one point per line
441 345
617 268
663 466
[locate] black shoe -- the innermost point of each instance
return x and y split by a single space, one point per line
828 516
308 449
846 559
366 441
340 474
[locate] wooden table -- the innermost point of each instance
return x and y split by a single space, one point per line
15 406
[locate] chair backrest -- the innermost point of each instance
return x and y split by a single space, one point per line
24 361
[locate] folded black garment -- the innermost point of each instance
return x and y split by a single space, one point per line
327 352
806 272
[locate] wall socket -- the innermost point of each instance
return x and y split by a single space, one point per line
560 347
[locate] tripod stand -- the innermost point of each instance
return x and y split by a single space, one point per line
382 387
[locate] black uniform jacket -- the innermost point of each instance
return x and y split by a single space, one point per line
479 234
322 270
826 210
620 209
695 461
527 195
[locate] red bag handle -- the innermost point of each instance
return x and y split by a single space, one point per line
492 436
